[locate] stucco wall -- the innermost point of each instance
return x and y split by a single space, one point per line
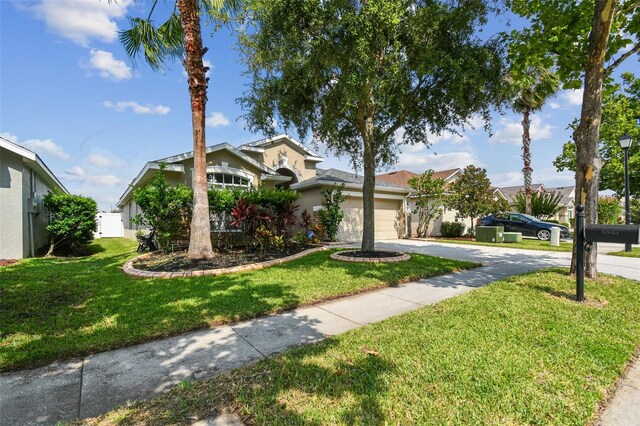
34 189
11 222
295 161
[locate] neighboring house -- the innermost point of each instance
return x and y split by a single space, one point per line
24 181
401 178
566 204
283 162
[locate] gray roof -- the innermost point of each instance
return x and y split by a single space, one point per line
566 192
511 191
336 176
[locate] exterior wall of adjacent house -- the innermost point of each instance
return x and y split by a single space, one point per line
23 218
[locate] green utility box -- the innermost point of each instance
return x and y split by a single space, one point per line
512 237
490 234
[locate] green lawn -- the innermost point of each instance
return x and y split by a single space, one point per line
635 252
518 351
59 308
525 244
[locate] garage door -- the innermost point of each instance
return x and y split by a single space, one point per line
386 219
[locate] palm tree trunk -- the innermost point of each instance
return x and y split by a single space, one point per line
526 157
200 236
587 134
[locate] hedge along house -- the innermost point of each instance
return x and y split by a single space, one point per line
280 161
24 182
228 167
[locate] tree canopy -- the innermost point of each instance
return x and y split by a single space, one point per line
353 73
620 112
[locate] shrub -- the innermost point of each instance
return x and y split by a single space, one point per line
72 222
166 210
452 229
565 224
543 205
552 221
609 209
332 214
634 205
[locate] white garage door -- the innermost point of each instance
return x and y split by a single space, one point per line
386 219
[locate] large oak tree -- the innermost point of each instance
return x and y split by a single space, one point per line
586 41
353 73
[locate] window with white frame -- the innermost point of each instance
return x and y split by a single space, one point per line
227 180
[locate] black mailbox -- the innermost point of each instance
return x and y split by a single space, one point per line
612 234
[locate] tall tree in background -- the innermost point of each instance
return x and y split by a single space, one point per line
620 112
180 37
579 38
532 88
354 72
429 194
471 195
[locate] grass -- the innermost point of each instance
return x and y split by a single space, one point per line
635 252
519 351
56 308
525 244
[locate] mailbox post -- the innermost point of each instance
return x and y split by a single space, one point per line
586 235
579 231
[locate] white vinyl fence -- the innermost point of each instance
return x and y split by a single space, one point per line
109 225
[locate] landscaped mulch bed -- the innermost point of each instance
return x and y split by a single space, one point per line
6 262
180 262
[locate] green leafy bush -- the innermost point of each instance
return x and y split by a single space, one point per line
609 209
552 221
166 209
452 229
72 222
635 210
331 215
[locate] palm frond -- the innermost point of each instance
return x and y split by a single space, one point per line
156 44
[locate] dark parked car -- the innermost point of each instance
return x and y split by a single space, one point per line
527 225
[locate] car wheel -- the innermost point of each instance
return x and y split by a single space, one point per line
543 234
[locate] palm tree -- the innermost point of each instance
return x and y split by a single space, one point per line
181 37
533 90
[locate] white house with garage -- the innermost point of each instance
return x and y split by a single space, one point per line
24 182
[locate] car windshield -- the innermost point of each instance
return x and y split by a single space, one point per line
530 218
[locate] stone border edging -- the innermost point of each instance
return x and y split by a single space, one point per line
336 256
130 270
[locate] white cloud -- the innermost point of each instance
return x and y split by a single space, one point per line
137 108
554 105
216 119
99 160
82 21
448 137
108 66
549 177
511 131
449 160
573 97
75 171
46 147
8 136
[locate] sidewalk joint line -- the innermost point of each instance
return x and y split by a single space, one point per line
339 316
248 342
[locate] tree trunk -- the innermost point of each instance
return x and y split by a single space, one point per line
200 236
368 206
526 157
587 135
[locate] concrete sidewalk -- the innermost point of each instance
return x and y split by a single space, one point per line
98 383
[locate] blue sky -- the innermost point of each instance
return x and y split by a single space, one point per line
69 93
